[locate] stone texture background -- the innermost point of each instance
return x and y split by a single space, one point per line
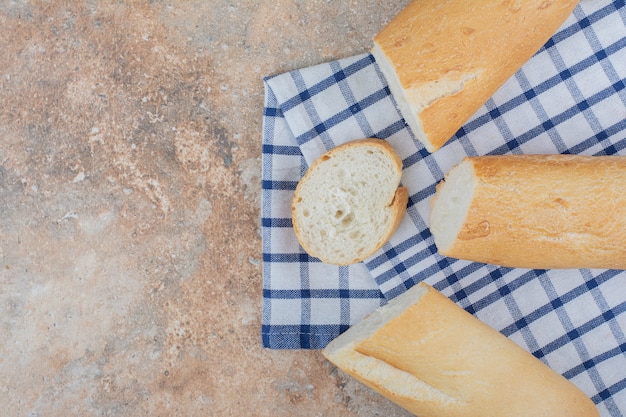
130 250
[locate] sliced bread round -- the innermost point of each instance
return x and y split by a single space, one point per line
349 202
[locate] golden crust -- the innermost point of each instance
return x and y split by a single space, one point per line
546 211
474 45
462 367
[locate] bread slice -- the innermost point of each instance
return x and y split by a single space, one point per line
349 202
534 211
445 59
433 358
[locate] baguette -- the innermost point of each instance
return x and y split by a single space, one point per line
433 358
534 211
349 202
445 59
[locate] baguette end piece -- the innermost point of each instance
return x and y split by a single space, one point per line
444 60
395 384
428 355
450 205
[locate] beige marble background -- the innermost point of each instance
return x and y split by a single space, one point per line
130 250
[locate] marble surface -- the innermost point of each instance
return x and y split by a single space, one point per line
130 249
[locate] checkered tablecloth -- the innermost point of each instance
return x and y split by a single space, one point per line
569 98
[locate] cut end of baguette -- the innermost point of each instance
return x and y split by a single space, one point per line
412 100
533 211
451 204
392 382
349 202
408 111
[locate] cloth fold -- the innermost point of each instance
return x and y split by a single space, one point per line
569 98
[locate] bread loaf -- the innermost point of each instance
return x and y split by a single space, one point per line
443 59
349 202
435 359
534 211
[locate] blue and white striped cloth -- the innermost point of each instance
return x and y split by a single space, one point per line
569 98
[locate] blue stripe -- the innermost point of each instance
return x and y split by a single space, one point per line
288 336
288 258
391 130
608 392
328 293
579 331
543 87
281 150
276 222
271 112
592 362
315 89
323 126
278 185
555 303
